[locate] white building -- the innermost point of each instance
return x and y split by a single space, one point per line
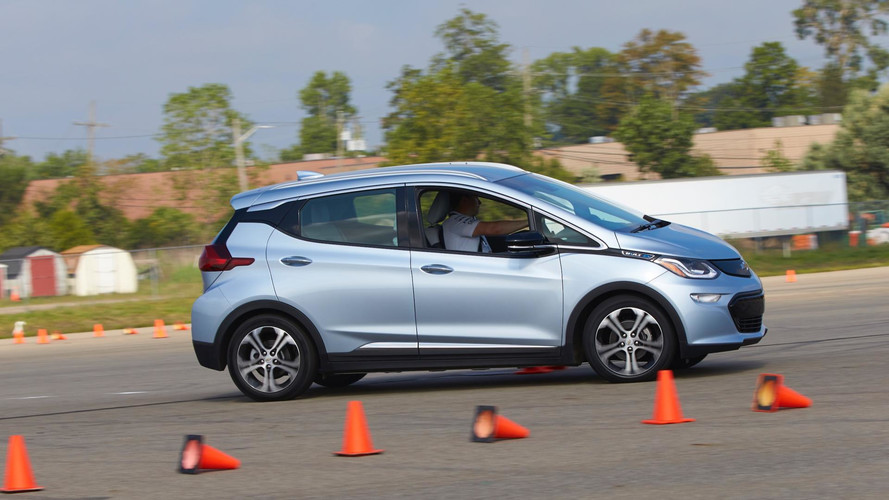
97 269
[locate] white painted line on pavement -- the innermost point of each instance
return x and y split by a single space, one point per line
128 392
32 397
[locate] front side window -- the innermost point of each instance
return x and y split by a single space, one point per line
558 233
364 218
469 221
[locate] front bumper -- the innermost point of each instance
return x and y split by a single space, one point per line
732 322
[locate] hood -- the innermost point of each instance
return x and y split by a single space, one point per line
679 241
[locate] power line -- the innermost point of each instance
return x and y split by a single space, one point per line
32 138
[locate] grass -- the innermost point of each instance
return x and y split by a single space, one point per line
830 258
129 314
172 299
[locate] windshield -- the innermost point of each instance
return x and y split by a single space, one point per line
575 200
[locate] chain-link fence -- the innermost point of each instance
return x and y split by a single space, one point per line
794 227
35 273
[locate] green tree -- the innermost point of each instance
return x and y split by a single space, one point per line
773 85
69 230
861 147
775 161
326 100
14 180
660 63
660 140
439 118
472 46
197 129
842 27
134 163
56 165
452 114
24 229
832 90
706 104
166 226
570 85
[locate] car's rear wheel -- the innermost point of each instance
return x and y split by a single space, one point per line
628 339
270 358
338 380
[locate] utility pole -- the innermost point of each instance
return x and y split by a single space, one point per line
526 84
91 133
339 139
3 150
238 141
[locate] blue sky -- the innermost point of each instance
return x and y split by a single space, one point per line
129 56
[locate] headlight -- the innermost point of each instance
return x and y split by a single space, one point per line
688 268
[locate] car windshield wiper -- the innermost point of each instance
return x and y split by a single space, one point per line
651 224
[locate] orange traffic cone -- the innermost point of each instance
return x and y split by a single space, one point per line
771 394
57 335
791 276
98 331
197 456
160 332
356 436
666 402
129 331
179 326
488 426
19 476
42 337
534 370
18 332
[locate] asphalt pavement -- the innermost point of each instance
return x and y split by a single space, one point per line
106 418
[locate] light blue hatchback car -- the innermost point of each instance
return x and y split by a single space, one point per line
330 277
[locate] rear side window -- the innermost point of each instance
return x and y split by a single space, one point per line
363 218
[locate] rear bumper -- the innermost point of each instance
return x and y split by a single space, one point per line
207 355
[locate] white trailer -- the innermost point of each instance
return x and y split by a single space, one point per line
741 206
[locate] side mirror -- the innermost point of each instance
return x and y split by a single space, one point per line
528 244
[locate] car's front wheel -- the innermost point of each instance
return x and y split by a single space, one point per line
270 358
628 339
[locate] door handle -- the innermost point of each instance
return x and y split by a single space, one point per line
296 261
436 269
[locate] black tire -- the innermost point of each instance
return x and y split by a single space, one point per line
680 363
338 380
642 328
271 359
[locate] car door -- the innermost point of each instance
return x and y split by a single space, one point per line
343 260
486 304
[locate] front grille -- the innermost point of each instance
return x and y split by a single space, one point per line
747 310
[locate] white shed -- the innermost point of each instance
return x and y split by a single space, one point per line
3 292
34 272
97 269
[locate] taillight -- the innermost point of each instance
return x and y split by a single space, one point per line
218 258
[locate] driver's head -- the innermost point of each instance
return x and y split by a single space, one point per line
469 204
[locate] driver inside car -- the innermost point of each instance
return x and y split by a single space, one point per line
464 232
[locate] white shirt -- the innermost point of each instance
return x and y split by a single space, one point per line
458 229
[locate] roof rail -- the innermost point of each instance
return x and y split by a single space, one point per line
307 174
